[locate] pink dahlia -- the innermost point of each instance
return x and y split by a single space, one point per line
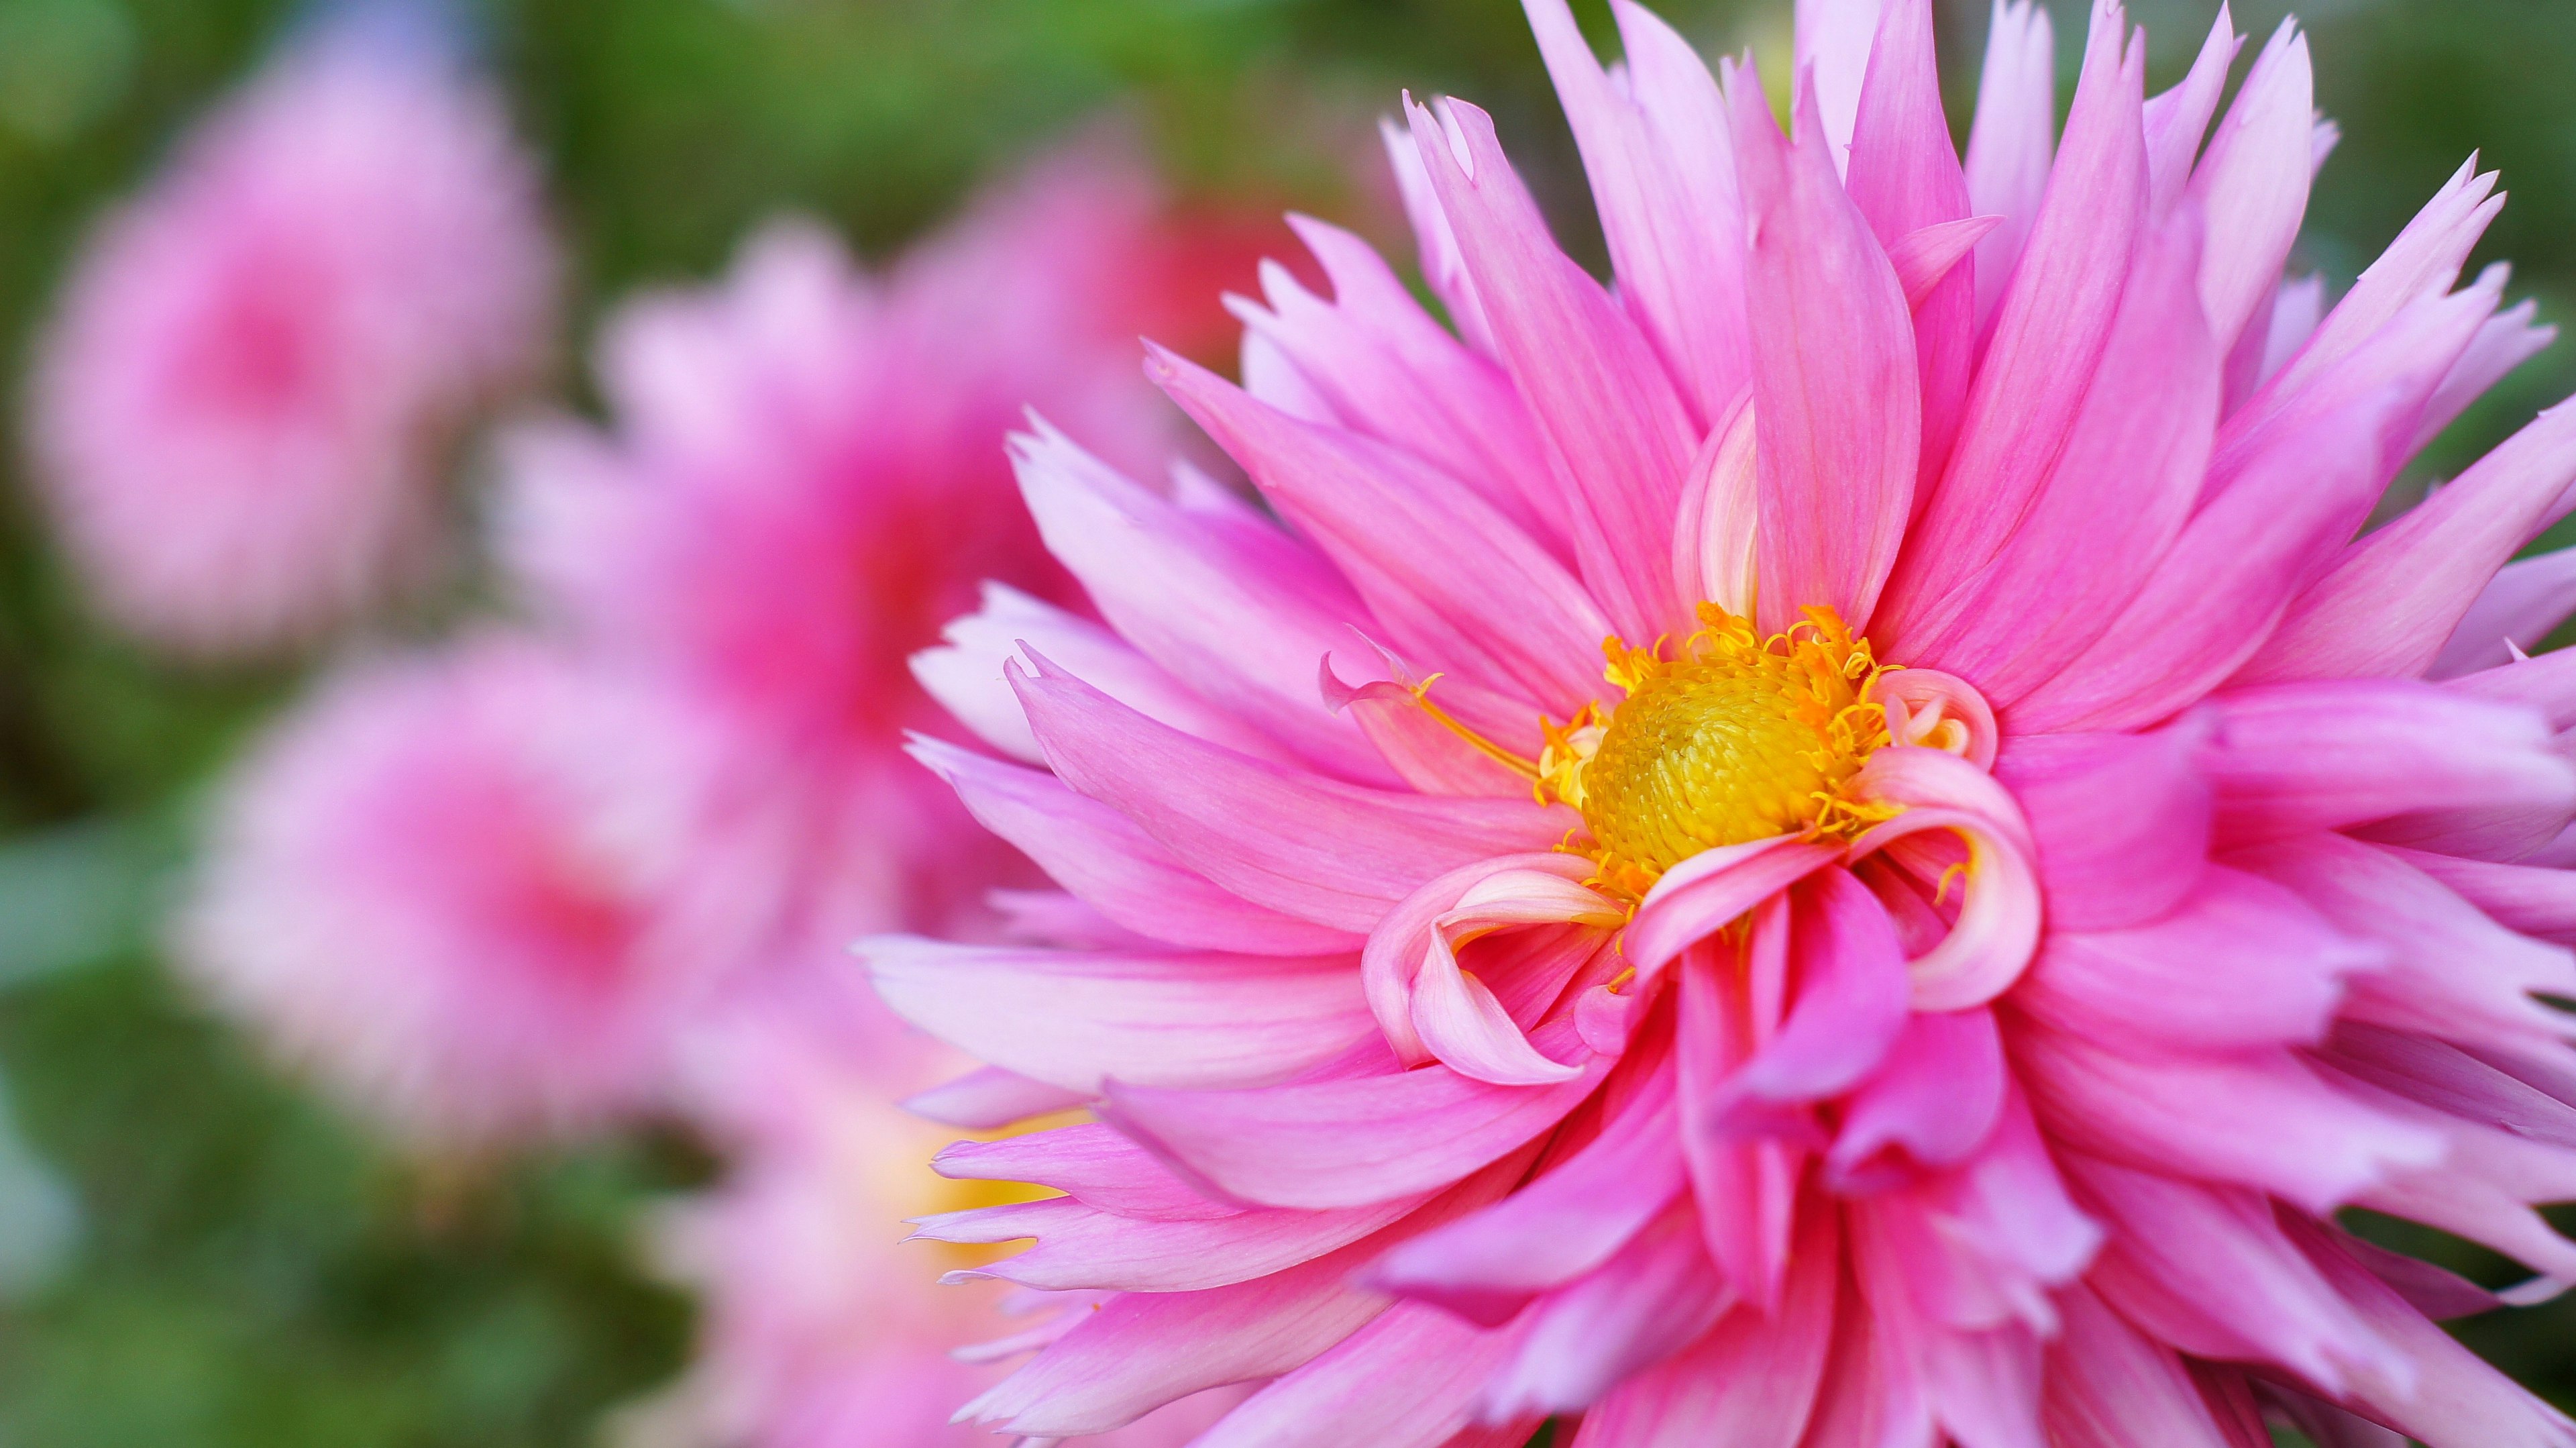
239 412
426 890
2012 885
807 476
819 1328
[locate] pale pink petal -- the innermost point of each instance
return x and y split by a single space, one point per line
2114 500
1228 611
1396 945
1079 1247
989 1098
1106 860
1713 554
2178 120
1342 1143
1699 896
1657 1295
1836 400
2109 1385
1926 255
1407 1380
2423 262
2508 340
2546 684
1655 154
2522 604
1751 1380
2253 185
2012 140
1935 1097
1851 1005
1332 853
2289 759
1613 422
2450 970
1089 1162
1833 44
2394 598
2522 898
1071 1018
2048 332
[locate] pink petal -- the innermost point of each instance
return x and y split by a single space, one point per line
1935 1097
1998 923
1070 1018
1555 1228
2289 759
2208 1270
2451 1399
2450 971
2114 500
2423 262
1435 563
1384 368
2282 964
1614 424
2524 898
2010 145
1833 44
1102 857
1656 159
1851 1005
1703 894
2109 1385
1721 507
1091 1163
2121 822
1112 1367
2177 120
1926 255
2255 1117
2048 333
2213 600
2506 342
1651 1300
1407 1380
989 1098
1236 613
2394 598
1836 409
1904 176
2253 185
1751 1380
2522 604
1331 853
1443 269
1079 1247
2546 684
1343 1143
1395 949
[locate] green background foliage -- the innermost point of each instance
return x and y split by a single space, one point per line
229 1264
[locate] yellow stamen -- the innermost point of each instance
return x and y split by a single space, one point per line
1732 738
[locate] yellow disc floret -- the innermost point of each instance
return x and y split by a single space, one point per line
1735 737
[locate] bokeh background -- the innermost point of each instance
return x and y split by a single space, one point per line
193 1252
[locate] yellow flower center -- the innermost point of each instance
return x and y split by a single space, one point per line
1735 738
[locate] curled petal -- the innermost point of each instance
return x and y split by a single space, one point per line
1701 894
1941 711
1991 943
1396 948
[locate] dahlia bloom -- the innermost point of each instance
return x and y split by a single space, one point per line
425 889
239 413
820 1329
808 474
2016 879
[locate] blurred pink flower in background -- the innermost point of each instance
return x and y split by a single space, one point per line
2017 880
241 413
427 887
822 1327
805 475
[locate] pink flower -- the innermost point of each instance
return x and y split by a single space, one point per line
240 413
430 888
2014 883
820 1329
808 474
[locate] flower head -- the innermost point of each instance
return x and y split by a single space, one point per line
429 888
240 414
2030 861
807 476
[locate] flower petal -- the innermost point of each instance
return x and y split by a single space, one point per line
2012 140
